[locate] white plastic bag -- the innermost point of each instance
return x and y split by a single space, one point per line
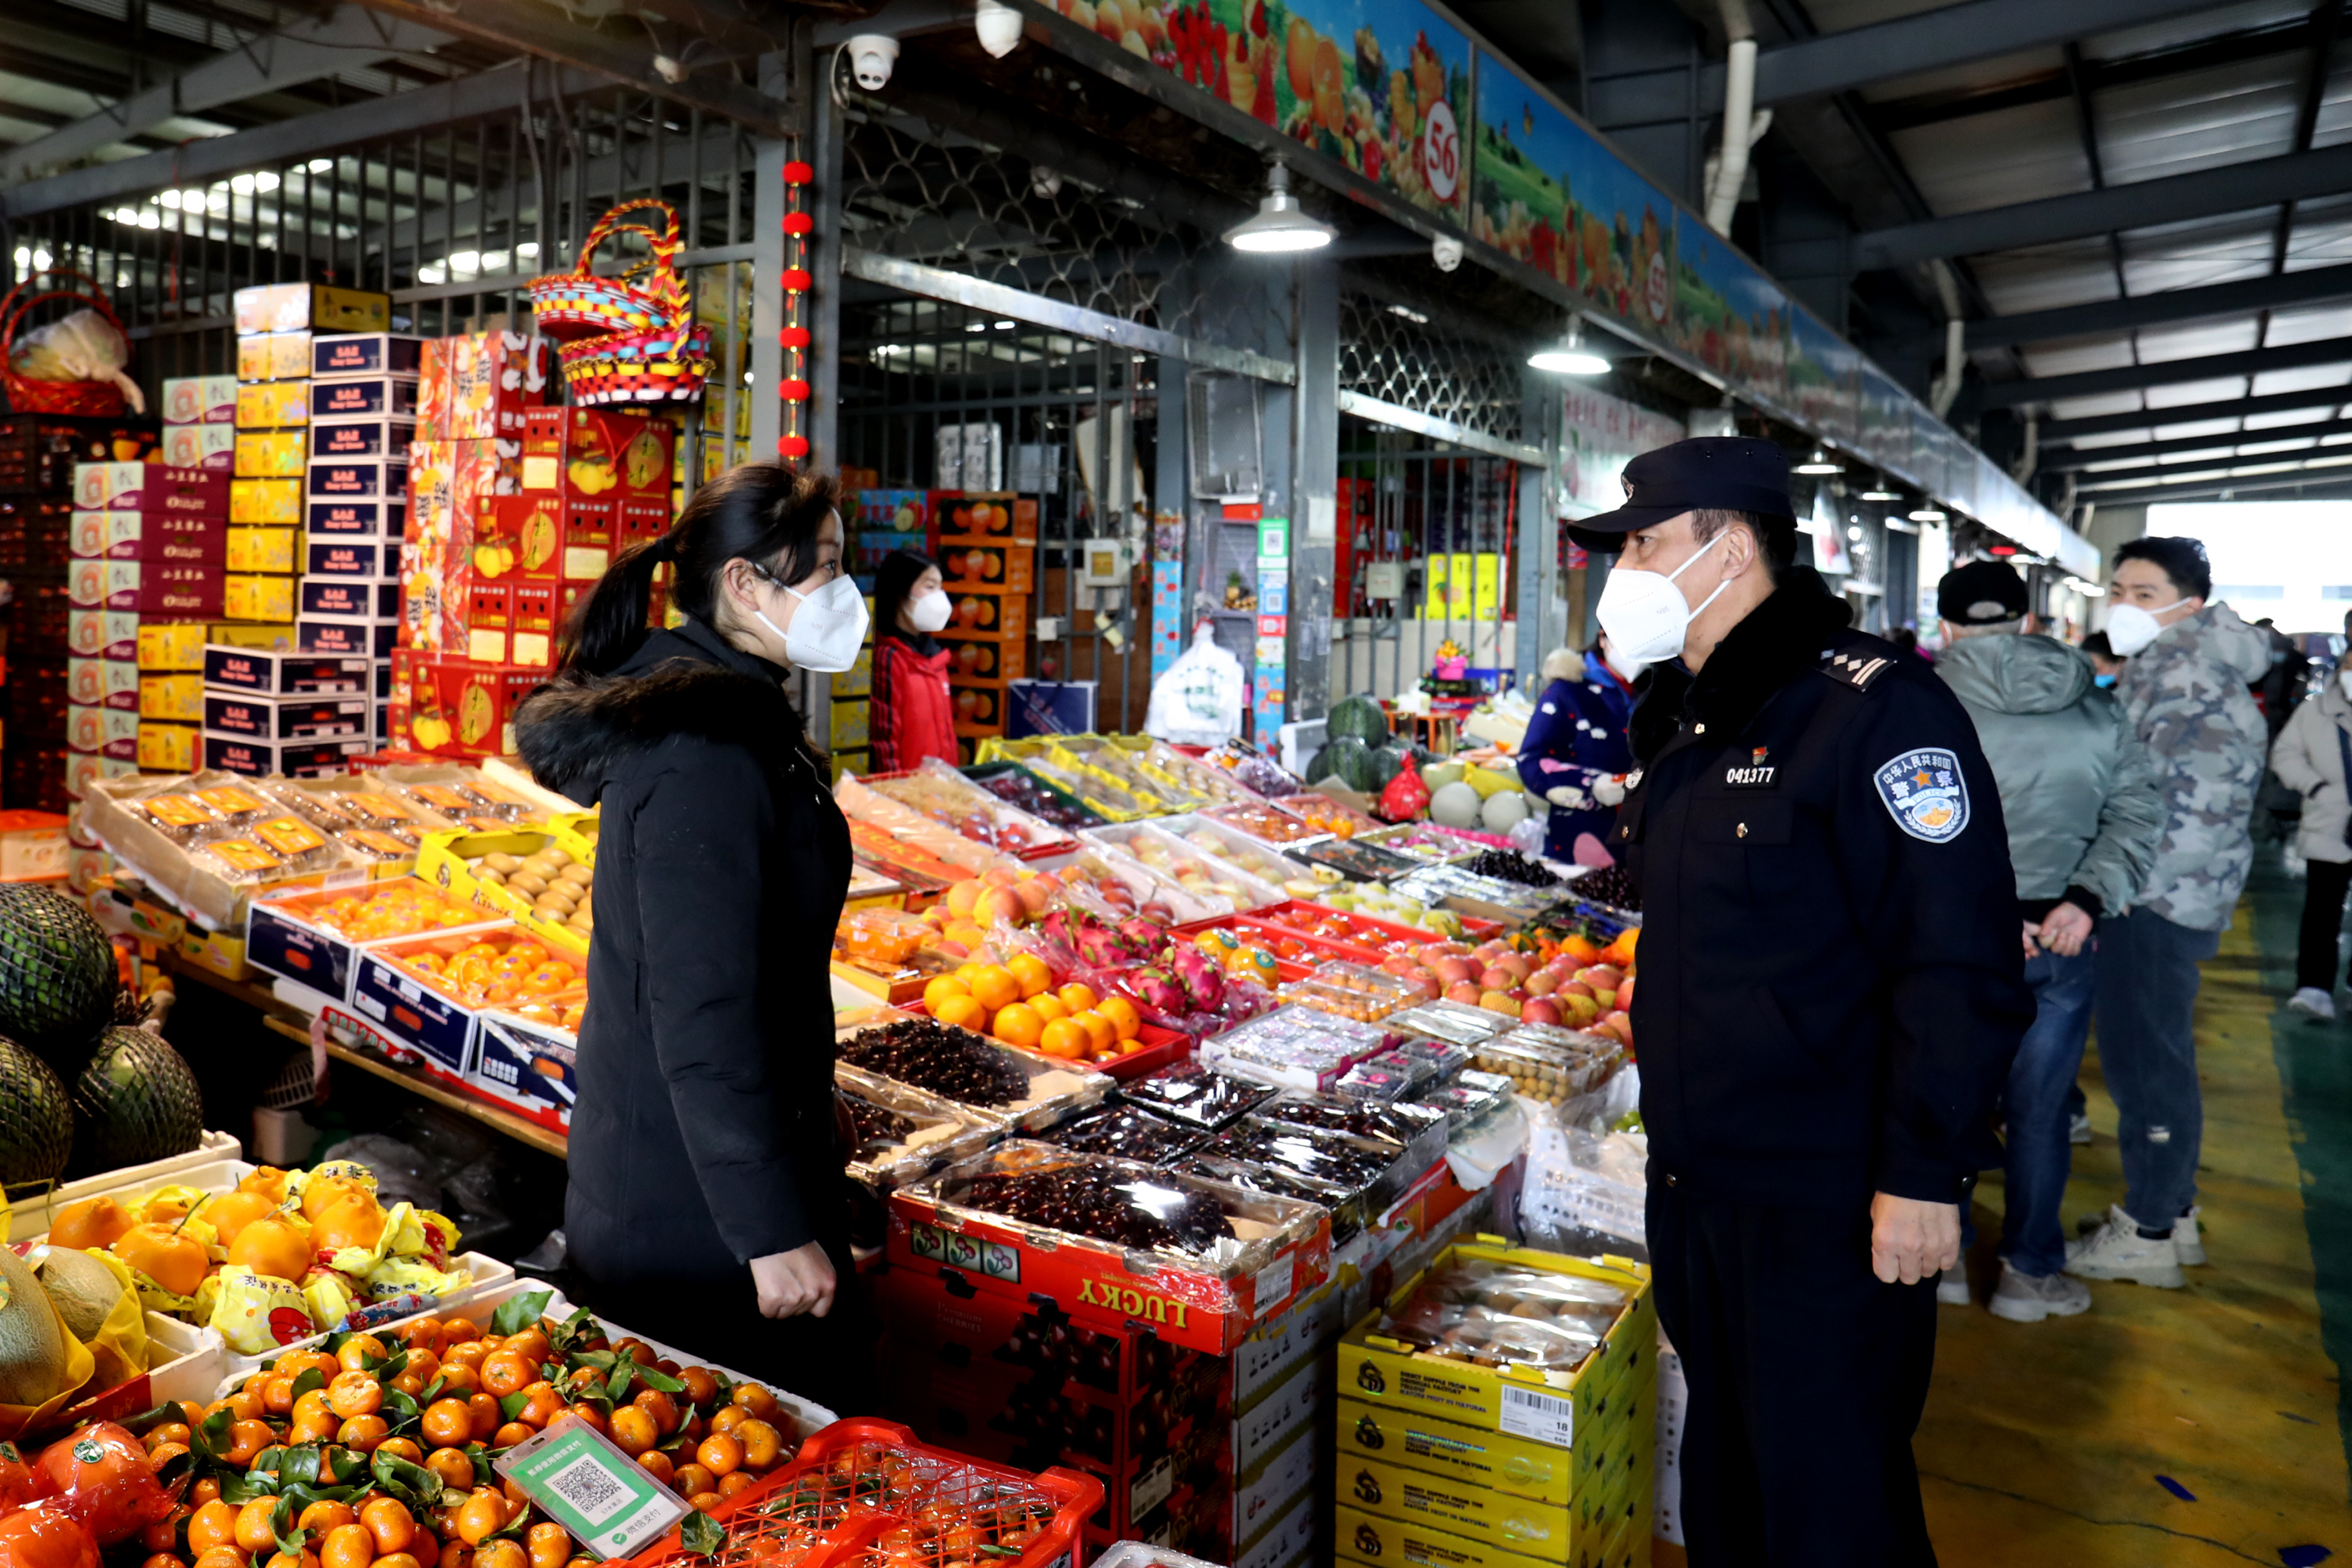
83 346
1198 700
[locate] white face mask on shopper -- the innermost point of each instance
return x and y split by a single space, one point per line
2131 629
1645 614
827 629
931 611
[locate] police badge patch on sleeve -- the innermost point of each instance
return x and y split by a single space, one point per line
1924 792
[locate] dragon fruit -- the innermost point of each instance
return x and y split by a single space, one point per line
1203 976
1158 991
1146 937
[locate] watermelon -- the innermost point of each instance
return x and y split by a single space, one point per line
1359 718
1346 759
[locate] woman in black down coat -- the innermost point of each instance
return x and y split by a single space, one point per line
706 1202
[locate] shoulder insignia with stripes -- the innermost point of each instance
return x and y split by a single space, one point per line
1856 668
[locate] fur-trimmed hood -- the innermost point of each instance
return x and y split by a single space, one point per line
574 732
1780 638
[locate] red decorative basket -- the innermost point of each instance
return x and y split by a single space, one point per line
27 394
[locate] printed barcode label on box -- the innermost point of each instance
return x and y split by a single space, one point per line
1273 1284
1539 1417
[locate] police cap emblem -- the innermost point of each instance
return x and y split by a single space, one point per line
1925 793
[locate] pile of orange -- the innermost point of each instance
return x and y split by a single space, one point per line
444 1396
402 908
1016 1003
504 969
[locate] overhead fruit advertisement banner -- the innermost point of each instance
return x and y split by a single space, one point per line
1824 379
1545 190
1728 316
1383 86
1885 410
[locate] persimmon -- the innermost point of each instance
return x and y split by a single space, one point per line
719 1454
360 1353
213 1525
453 1466
326 1517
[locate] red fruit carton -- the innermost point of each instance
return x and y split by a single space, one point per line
1204 1296
855 1482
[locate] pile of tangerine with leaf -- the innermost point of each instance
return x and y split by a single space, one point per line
376 1451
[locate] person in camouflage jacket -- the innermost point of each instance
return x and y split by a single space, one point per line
2185 693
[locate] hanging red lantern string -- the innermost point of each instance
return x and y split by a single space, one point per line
793 444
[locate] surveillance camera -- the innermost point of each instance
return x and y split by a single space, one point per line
999 26
1446 251
871 56
1044 183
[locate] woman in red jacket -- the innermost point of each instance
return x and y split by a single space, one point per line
913 714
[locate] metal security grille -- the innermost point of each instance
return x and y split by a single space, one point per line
453 223
1412 353
937 390
1428 534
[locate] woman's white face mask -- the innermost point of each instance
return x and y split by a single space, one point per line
827 628
931 611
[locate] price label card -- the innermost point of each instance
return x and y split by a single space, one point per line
587 1485
1539 1417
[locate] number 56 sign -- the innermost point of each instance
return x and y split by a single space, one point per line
1441 151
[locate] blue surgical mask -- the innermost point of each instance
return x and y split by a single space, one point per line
2103 681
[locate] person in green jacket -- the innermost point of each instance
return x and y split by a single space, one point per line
2083 813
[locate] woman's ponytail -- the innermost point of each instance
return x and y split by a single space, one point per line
608 624
760 512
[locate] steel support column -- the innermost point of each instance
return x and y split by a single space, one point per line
1542 595
767 267
1315 488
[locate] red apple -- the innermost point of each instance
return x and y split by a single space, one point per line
1539 1010
1462 991
1497 978
1626 994
1542 983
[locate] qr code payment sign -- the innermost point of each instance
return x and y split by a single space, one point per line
594 1491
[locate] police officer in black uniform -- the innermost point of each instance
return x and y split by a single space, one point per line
1831 990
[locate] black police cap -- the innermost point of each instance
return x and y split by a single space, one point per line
1704 473
1980 594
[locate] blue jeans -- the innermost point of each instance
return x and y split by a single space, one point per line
2035 1107
2147 1049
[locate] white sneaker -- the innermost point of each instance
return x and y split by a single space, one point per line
1952 1287
2078 1128
2187 1244
2314 1004
2029 1297
2116 1250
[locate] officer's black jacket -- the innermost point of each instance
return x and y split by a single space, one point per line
1828 1000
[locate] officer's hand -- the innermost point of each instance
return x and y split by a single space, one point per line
1568 796
1610 790
1910 1240
2066 930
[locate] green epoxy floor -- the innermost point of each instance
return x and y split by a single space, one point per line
2044 1443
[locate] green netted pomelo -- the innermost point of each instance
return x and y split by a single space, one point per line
1358 718
57 977
136 1102
36 1120
1455 806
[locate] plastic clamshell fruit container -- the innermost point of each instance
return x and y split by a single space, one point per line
29 1217
284 936
1131 761
908 827
1267 822
1099 792
1430 843
1057 1089
442 860
1191 1094
855 1481
1487 897
1204 1301
1127 1132
1455 1023
1554 1074
1366 993
948 1131
1294 1047
1364 928
936 785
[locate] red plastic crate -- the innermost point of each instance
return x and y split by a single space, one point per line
1473 929
863 1492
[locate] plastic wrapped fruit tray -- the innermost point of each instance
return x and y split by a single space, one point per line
1199 1261
1015 784
904 1134
865 1494
946 796
1369 940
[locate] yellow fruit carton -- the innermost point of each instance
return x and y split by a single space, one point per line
488 869
1546 1530
173 645
273 501
261 549
271 454
272 404
1466 1455
1541 1404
